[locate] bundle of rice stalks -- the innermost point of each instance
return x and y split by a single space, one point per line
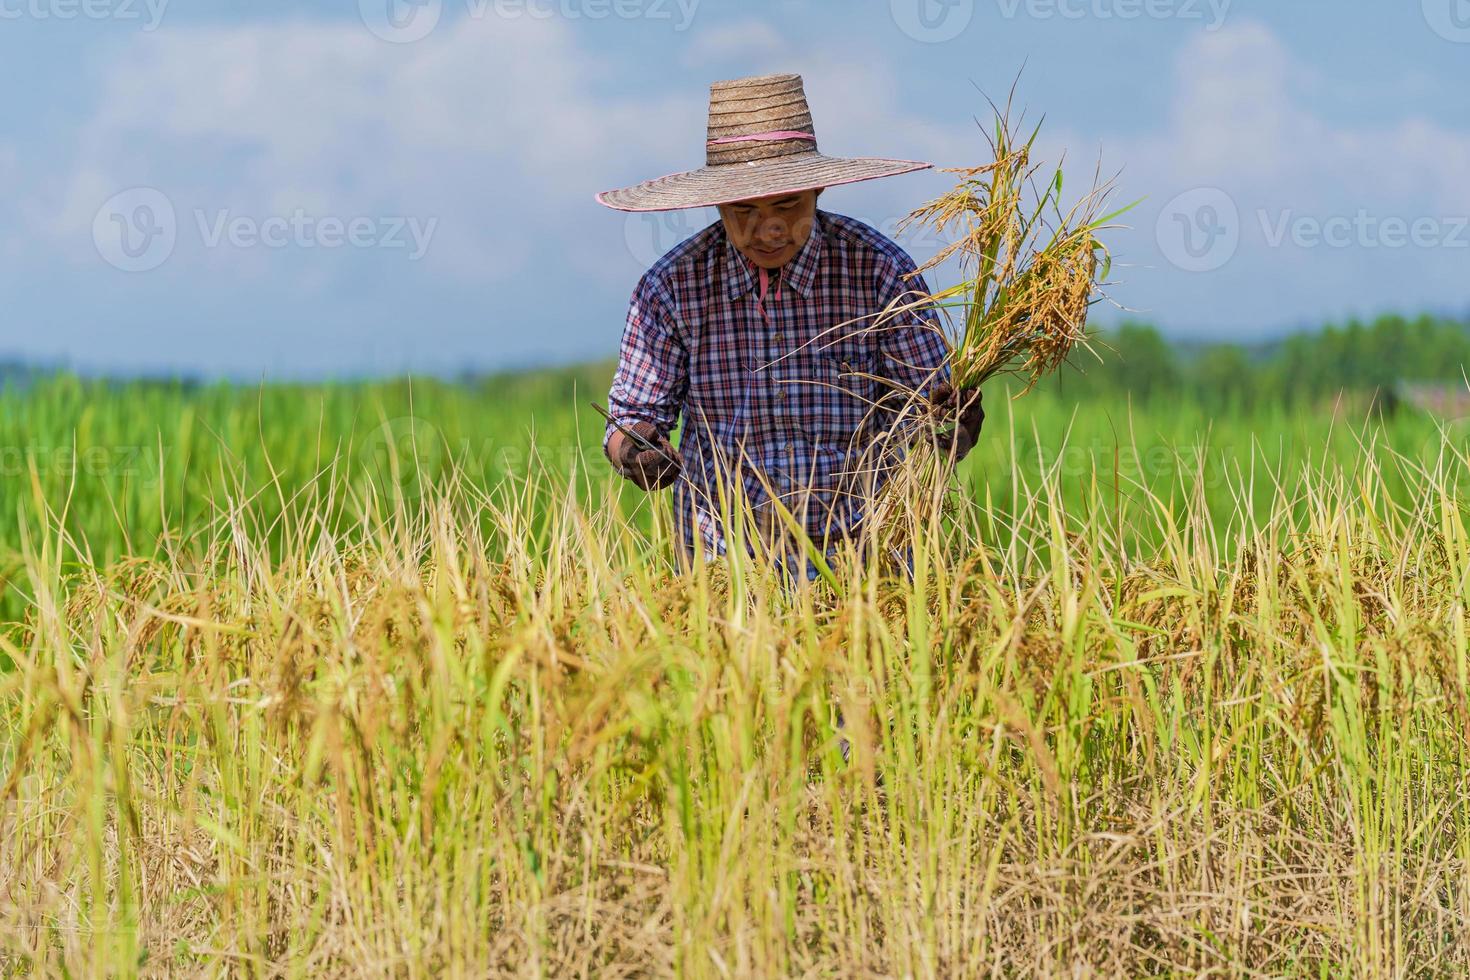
1031 270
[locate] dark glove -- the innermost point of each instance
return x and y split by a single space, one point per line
650 469
961 409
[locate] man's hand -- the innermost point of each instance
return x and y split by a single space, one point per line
650 469
960 408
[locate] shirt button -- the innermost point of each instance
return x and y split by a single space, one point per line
779 338
780 394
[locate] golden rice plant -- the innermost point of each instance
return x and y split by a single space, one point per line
1031 267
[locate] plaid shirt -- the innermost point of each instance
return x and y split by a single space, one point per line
769 389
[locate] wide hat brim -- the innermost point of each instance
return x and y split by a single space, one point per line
730 182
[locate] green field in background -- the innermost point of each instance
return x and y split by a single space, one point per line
126 465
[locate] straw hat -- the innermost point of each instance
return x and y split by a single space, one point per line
761 142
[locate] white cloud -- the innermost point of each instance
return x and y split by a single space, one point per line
744 43
1236 120
495 127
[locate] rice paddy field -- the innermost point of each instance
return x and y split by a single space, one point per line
398 679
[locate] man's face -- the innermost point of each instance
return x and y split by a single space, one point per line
771 230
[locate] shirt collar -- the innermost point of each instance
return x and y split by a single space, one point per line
800 273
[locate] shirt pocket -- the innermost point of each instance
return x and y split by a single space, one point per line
846 370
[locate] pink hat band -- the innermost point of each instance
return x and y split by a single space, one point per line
768 137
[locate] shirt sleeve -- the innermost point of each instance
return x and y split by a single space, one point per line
652 377
913 354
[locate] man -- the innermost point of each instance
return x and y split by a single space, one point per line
765 332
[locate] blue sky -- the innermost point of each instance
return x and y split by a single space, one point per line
309 189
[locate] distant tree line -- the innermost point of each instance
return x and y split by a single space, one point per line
1138 362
